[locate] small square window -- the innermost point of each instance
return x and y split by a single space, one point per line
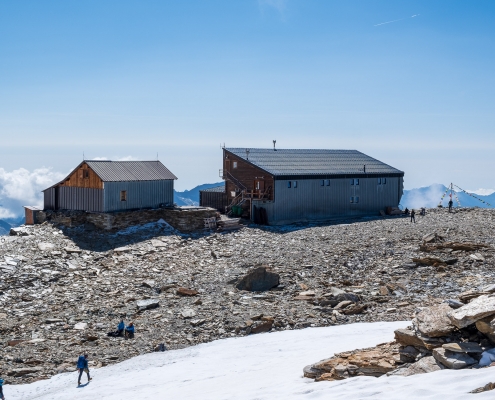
234 164
384 180
356 199
289 184
123 195
295 184
322 183
327 182
86 173
352 199
352 182
379 181
356 181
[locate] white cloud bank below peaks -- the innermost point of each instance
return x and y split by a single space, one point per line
21 187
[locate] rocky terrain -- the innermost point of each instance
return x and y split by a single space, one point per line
62 289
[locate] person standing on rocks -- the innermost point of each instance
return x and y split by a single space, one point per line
2 397
413 213
82 366
129 331
451 203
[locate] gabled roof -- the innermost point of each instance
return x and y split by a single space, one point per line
306 162
124 171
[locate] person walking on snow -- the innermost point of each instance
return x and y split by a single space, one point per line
82 366
2 397
413 213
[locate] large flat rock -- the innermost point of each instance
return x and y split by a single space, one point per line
477 309
453 360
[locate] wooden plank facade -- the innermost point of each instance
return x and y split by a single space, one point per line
83 177
238 173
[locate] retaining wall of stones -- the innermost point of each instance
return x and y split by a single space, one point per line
184 219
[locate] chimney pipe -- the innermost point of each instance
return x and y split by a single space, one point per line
274 149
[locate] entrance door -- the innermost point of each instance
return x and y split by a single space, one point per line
259 186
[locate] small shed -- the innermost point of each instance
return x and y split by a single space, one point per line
107 186
30 214
214 197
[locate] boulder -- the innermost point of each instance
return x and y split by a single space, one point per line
453 360
422 366
188 313
45 246
433 321
81 326
259 279
264 326
478 308
18 232
147 304
407 337
24 371
186 292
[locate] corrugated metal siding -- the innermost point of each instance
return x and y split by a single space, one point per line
83 199
49 199
310 201
140 194
216 200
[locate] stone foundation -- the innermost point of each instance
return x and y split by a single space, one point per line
184 219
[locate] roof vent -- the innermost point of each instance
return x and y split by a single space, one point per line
247 154
274 142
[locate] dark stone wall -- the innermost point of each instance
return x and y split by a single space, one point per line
182 219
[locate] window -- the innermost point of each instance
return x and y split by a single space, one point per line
295 184
384 180
356 199
86 173
327 182
234 164
352 182
379 181
258 185
289 184
322 183
356 182
352 199
123 195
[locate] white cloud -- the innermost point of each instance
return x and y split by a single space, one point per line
482 192
22 187
279 5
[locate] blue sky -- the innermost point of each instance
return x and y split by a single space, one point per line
135 78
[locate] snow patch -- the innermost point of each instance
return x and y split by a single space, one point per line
264 367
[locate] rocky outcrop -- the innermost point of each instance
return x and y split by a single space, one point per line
375 361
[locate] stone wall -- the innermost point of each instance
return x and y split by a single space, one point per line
184 219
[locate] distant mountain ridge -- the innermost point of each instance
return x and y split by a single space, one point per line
430 196
191 197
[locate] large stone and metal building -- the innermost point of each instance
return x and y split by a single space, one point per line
279 186
107 186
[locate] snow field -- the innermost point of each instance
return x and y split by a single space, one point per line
257 367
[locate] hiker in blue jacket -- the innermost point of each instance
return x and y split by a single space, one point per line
129 331
119 331
2 397
82 366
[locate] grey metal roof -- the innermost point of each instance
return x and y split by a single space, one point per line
306 162
124 171
219 189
